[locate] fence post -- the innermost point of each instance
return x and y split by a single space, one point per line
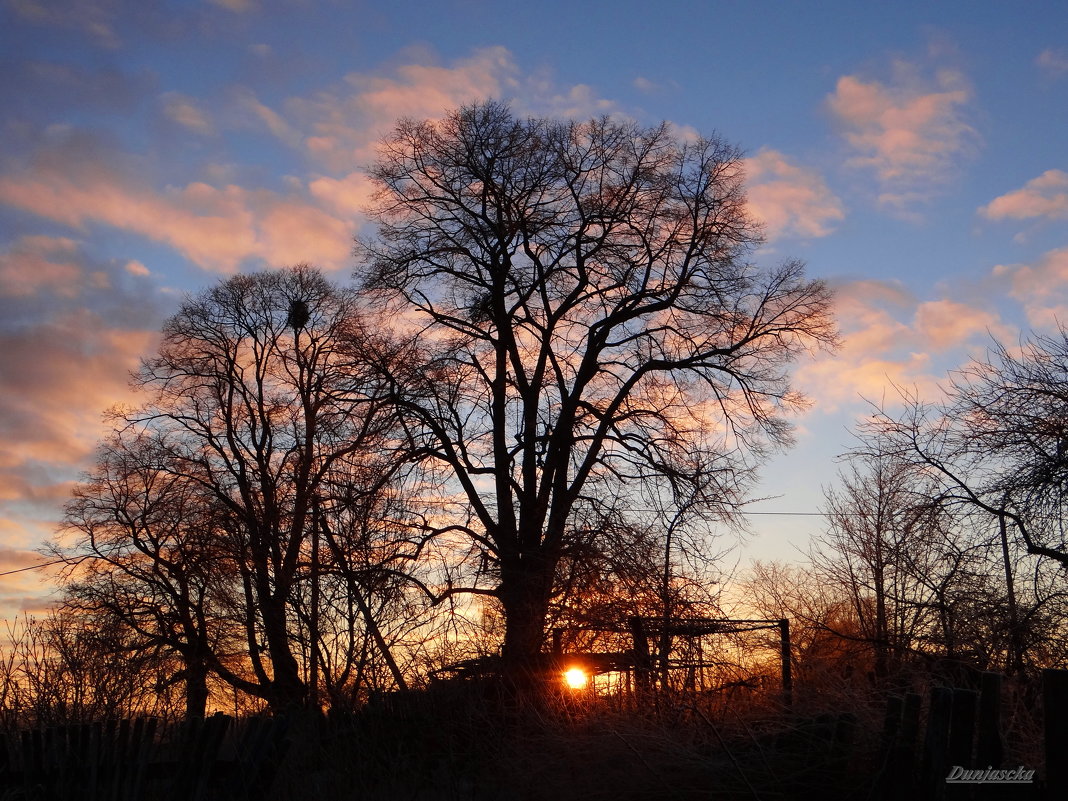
989 749
936 742
961 737
641 656
1055 717
784 650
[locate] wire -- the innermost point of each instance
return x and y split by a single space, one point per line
791 514
67 561
35 567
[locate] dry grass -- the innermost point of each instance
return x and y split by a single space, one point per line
469 748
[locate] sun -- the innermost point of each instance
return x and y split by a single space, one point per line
576 678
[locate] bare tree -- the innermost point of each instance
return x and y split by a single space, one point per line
995 450
73 667
588 329
828 647
146 554
882 528
998 442
257 394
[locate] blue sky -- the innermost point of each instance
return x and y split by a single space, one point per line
914 154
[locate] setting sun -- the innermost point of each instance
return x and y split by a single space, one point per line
576 678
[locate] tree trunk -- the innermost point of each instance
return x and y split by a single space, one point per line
288 690
196 690
882 628
524 593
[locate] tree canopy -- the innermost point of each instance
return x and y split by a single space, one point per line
588 329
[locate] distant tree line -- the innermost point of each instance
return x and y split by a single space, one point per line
945 545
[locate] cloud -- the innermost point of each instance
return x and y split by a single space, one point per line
911 133
37 262
76 181
1053 62
220 222
186 112
944 324
237 6
339 127
875 351
889 337
790 200
260 115
17 558
71 331
92 17
1041 288
34 89
1043 197
354 191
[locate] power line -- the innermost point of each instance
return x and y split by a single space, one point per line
779 514
67 561
35 567
791 514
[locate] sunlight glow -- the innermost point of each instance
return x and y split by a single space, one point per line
576 678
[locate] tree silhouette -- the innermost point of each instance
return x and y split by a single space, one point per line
587 327
259 409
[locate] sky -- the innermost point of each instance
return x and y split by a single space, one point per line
913 154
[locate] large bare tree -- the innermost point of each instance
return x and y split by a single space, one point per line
588 327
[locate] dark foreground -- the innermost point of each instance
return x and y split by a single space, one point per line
459 744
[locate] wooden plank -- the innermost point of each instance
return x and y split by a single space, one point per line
962 728
934 766
990 749
1055 722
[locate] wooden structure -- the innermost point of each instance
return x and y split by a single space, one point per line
647 630
202 759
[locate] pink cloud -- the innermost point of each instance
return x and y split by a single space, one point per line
17 558
790 200
258 114
220 224
876 349
339 127
891 338
1041 287
910 133
1043 197
217 228
187 112
58 379
343 195
944 324
36 262
70 335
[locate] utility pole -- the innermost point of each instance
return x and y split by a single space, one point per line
787 677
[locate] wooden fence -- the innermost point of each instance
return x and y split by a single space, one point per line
961 752
923 742
199 760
